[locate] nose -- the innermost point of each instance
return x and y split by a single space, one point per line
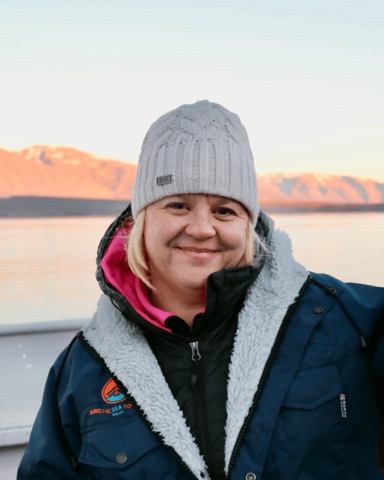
200 225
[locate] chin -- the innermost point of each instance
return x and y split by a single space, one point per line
196 280
193 283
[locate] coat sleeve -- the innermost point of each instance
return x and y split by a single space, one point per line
377 366
45 456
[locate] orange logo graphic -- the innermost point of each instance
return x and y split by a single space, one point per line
111 392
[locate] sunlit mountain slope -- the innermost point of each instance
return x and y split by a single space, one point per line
281 188
66 172
63 172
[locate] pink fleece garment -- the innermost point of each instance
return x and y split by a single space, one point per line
118 274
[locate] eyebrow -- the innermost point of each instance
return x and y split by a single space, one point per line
222 201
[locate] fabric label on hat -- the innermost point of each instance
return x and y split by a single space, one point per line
164 180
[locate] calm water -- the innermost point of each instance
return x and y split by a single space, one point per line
47 266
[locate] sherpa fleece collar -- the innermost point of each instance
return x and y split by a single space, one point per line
127 354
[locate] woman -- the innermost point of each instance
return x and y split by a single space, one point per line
213 354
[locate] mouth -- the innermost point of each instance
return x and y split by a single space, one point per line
198 250
198 253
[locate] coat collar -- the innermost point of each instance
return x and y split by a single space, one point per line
127 354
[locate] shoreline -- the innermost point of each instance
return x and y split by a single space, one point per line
43 207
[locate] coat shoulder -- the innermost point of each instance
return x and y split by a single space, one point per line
364 304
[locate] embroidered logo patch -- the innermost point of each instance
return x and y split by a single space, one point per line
164 180
111 392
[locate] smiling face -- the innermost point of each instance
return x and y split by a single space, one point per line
188 237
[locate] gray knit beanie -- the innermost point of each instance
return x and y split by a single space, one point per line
198 148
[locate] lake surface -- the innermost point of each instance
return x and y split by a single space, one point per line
47 265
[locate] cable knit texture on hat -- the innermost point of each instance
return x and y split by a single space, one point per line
197 148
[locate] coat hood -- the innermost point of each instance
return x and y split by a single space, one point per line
130 296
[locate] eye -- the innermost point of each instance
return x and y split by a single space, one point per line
176 206
225 212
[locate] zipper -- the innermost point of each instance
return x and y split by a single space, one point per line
135 405
267 369
197 383
195 351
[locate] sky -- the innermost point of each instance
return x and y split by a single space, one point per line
306 77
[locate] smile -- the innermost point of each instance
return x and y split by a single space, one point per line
198 253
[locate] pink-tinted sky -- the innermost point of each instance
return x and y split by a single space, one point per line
306 77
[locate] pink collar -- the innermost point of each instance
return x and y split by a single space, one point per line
118 274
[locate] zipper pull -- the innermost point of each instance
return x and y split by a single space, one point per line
195 351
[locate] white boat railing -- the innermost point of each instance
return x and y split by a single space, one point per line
27 351
42 327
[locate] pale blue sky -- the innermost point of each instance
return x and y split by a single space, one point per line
306 77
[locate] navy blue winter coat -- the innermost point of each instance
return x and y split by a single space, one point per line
305 391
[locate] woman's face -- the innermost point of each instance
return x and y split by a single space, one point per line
188 237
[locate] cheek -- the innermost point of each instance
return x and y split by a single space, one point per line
157 237
235 241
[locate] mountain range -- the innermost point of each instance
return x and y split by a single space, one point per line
48 171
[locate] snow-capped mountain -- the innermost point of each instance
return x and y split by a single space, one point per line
49 171
63 172
278 188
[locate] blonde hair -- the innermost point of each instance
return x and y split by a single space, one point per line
136 251
137 259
